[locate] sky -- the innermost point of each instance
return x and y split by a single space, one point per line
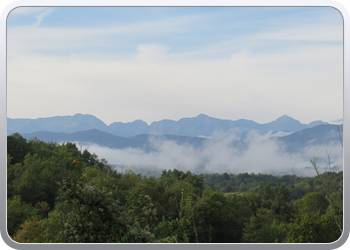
121 64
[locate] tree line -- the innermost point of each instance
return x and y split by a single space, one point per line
61 193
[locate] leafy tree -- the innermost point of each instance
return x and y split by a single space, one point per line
172 176
17 213
155 189
17 148
92 214
312 222
92 159
230 188
266 195
280 204
331 232
43 208
243 187
219 218
53 228
11 175
333 192
38 180
225 176
140 216
311 202
30 232
305 228
263 228
179 229
253 201
44 149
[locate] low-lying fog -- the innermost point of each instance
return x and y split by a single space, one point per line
261 155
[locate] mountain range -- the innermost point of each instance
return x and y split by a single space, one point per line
201 125
318 135
200 139
95 136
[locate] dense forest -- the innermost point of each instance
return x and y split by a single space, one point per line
62 193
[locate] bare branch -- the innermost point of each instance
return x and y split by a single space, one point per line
340 136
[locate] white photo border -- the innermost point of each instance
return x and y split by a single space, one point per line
173 3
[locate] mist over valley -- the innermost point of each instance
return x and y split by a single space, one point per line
201 144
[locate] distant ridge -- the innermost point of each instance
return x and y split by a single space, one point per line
66 124
318 135
95 136
201 125
284 123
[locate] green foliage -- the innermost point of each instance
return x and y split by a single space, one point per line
17 213
220 218
92 214
178 229
281 203
332 186
11 172
271 209
37 180
43 208
53 227
306 228
30 232
57 193
311 202
266 195
263 228
242 187
330 222
175 175
296 185
274 198
17 148
92 159
140 216
313 221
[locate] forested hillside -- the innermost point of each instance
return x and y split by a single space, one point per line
61 193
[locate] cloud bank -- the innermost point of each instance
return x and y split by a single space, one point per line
259 154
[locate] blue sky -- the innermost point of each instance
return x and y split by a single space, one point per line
152 63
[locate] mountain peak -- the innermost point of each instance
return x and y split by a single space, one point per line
315 123
202 124
284 118
83 115
78 115
284 123
202 116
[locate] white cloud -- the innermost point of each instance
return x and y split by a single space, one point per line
304 83
41 16
155 83
262 156
151 53
31 39
337 121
